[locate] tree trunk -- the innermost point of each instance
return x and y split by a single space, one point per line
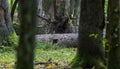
67 40
90 50
60 22
13 9
113 32
25 52
61 19
39 11
6 27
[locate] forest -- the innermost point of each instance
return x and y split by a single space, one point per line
59 34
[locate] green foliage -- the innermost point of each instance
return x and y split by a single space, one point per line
82 59
104 41
7 54
76 61
7 57
59 55
106 6
2 41
13 39
47 45
10 4
42 54
5 49
93 35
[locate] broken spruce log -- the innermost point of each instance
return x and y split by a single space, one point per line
69 40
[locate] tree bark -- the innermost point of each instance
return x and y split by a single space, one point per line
25 52
67 40
6 27
13 9
40 11
113 32
60 22
90 50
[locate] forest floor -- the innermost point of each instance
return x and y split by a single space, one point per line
47 56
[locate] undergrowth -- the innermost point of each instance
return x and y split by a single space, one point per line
43 52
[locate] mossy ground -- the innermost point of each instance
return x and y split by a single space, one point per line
43 52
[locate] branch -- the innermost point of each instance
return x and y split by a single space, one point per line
43 18
13 9
44 63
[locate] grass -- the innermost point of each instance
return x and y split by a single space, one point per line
43 52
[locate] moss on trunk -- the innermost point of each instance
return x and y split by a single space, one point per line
90 50
7 34
113 34
87 61
13 39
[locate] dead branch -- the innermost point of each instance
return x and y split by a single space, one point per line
43 18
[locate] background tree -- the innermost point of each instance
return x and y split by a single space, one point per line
90 51
64 22
25 53
58 20
6 26
62 16
113 32
13 8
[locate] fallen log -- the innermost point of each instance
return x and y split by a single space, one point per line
69 40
